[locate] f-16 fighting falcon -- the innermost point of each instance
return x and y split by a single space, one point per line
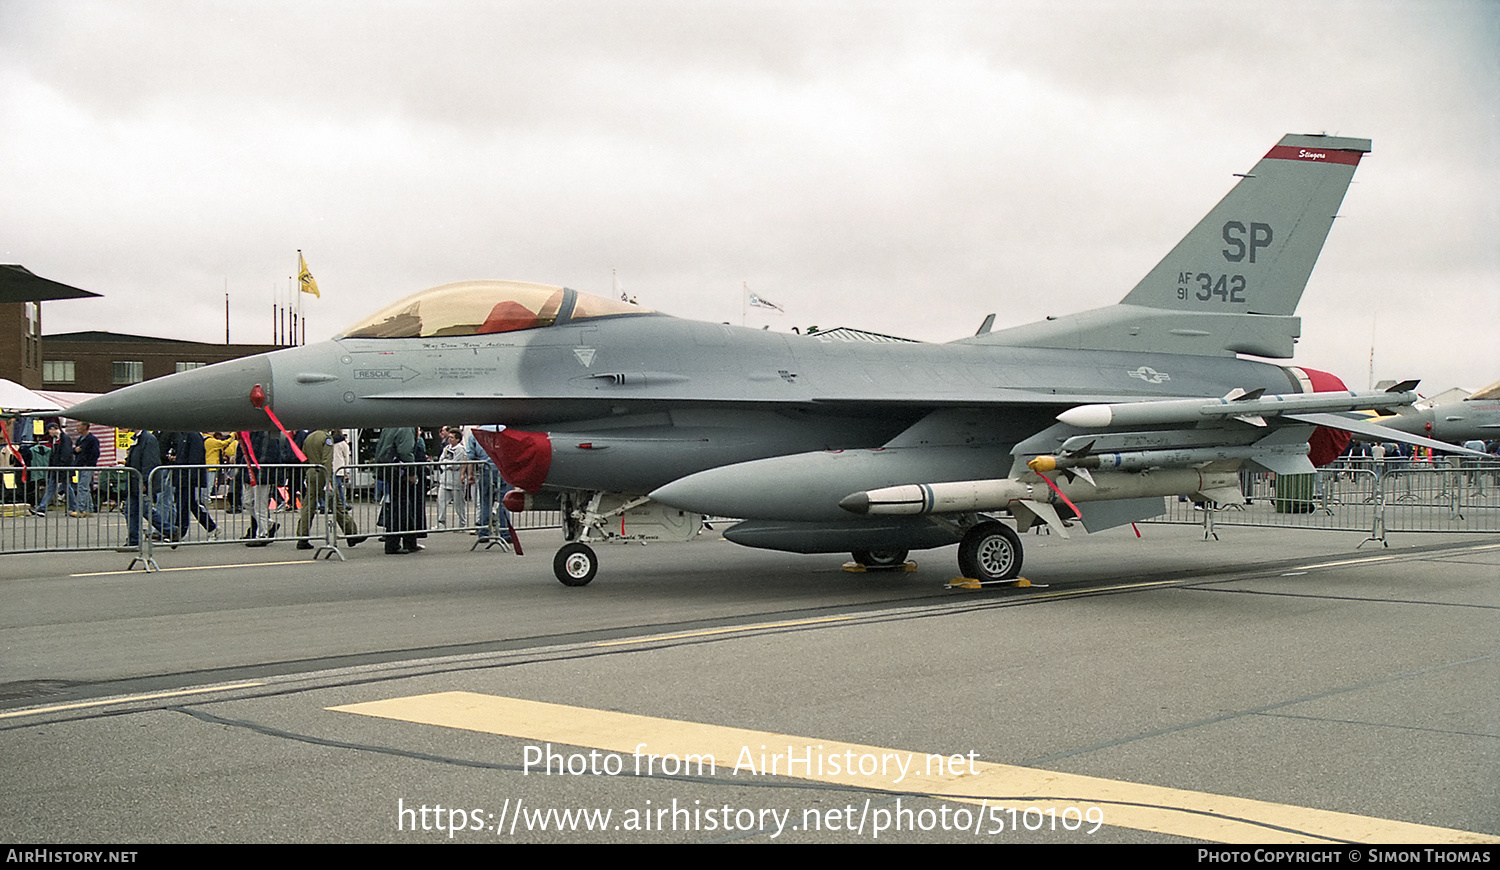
637 424
1475 418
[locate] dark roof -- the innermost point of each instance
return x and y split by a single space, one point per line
95 335
18 284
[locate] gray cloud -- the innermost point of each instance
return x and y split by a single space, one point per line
902 167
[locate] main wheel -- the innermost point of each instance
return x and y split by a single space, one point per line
990 551
880 558
575 564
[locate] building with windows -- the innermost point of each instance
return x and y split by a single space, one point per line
97 362
87 362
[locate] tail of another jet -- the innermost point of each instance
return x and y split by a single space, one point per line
1232 284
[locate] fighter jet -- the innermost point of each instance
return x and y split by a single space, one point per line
1475 418
637 424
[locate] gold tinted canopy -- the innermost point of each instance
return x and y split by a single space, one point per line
1490 392
484 308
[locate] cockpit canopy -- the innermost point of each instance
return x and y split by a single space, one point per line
484 308
1490 392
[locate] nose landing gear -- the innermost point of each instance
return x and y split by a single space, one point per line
575 564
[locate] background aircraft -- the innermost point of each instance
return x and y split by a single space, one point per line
637 424
1475 418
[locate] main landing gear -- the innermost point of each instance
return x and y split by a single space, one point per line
990 552
880 558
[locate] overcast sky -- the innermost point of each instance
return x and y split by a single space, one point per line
900 167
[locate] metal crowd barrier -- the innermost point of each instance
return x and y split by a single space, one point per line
1368 496
186 506
452 501
86 511
206 504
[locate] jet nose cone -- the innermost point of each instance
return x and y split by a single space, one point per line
215 397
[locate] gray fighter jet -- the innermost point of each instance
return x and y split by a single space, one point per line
637 424
1476 418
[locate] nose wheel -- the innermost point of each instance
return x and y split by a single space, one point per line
989 552
575 564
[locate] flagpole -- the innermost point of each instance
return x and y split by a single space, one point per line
301 324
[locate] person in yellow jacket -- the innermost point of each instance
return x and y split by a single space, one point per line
218 450
319 449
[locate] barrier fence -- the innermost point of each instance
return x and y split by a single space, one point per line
87 508
1374 498
296 504
84 507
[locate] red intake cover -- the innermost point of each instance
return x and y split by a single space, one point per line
1326 445
524 458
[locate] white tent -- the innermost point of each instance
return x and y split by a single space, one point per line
16 399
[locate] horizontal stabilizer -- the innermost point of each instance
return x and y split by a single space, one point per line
1382 433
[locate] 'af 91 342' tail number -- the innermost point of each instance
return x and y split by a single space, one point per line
1225 288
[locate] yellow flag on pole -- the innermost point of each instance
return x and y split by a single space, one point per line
305 279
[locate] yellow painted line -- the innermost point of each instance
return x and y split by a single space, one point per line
198 568
1171 811
125 699
708 632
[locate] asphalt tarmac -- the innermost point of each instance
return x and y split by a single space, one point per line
1276 686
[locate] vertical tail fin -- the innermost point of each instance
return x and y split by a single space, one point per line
1253 253
1233 283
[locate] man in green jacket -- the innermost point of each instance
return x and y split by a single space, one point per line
405 488
319 450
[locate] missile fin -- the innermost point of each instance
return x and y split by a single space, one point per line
1029 512
1283 463
1226 494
